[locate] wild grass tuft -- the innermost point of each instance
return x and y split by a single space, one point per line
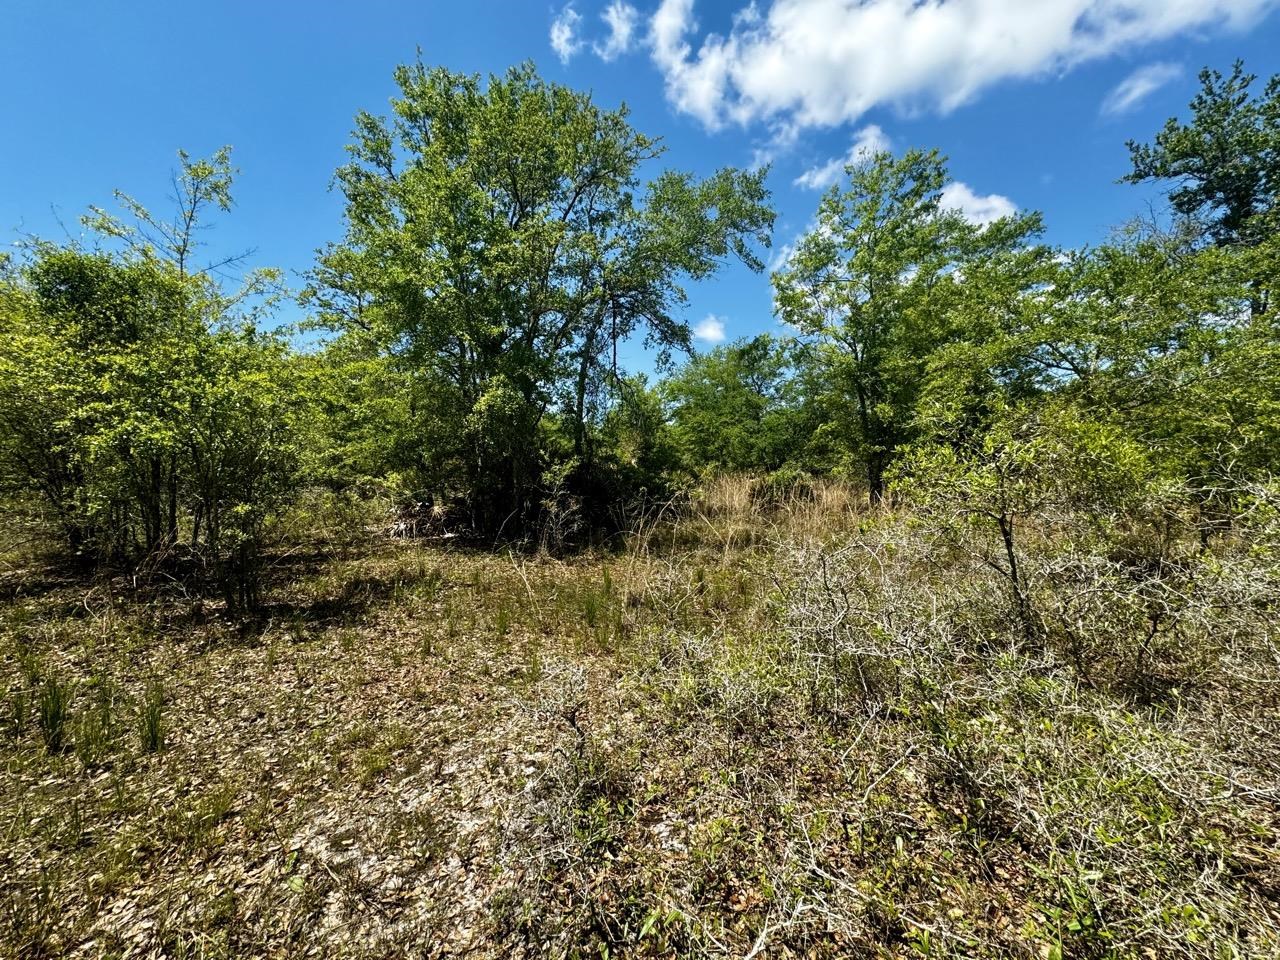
53 710
151 729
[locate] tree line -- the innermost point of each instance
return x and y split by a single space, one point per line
504 236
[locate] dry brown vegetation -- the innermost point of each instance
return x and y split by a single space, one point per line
762 727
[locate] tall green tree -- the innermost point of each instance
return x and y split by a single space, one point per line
500 246
1224 164
740 406
885 279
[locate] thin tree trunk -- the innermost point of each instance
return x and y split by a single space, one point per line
1021 602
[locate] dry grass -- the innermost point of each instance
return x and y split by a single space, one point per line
776 725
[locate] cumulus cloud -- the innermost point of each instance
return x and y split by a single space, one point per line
867 142
564 33
782 255
975 207
1139 85
817 63
621 18
956 195
710 330
694 85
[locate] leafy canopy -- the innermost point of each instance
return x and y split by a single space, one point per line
888 277
500 245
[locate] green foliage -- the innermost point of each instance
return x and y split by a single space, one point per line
740 406
95 726
140 404
151 720
198 185
243 432
1027 471
53 710
1224 167
368 417
502 243
885 280
1224 163
499 247
636 431
1153 335
82 352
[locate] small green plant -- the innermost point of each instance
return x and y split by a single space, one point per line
92 737
502 619
431 582
450 618
54 708
194 823
29 664
70 829
602 615
30 916
95 727
151 720
592 605
371 764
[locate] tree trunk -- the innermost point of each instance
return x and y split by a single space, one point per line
1021 602
875 477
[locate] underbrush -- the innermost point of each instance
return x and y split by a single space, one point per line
779 727
875 756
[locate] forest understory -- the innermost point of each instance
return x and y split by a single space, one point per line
783 728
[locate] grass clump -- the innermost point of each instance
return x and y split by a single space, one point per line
151 723
53 710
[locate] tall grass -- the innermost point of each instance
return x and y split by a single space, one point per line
870 755
151 728
53 708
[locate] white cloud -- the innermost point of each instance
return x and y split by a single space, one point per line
695 86
1139 85
564 33
621 18
710 330
817 63
976 208
867 142
782 256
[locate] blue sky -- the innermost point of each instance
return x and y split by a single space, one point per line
1031 99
